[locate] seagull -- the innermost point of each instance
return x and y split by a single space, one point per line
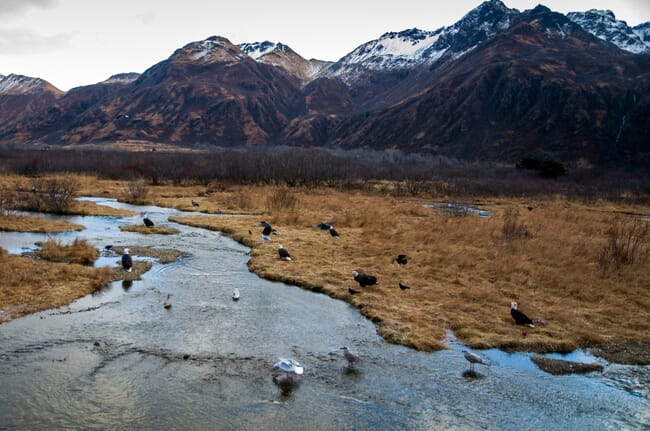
519 316
364 279
235 294
286 372
168 301
473 358
288 366
127 262
351 357
333 232
403 286
284 254
401 259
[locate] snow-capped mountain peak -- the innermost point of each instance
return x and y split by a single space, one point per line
604 25
409 48
214 49
20 84
280 55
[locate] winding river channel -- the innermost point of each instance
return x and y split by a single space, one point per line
118 360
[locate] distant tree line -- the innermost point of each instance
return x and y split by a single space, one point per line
415 174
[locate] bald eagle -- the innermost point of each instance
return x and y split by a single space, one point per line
127 262
364 279
284 254
519 316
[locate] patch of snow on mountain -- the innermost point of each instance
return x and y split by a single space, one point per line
16 84
604 25
257 49
208 45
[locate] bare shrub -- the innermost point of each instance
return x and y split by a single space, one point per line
53 195
281 199
80 251
239 200
8 202
512 228
626 244
136 191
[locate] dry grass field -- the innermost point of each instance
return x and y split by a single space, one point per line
21 223
580 268
30 285
463 270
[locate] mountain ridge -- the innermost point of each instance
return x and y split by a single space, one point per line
215 93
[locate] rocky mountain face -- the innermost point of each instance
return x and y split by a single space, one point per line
543 88
22 96
603 24
498 85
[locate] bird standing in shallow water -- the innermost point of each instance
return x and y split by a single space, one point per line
519 316
349 356
473 358
127 262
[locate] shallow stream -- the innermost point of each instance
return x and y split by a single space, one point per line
118 360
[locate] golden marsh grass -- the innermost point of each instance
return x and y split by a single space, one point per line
463 271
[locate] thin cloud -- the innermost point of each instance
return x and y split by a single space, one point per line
14 7
24 42
146 18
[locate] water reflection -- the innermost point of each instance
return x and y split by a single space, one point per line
119 360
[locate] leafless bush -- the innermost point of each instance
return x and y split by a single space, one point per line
412 187
238 200
8 201
512 228
136 191
281 199
626 244
54 195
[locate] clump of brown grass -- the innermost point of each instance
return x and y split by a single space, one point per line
238 200
136 192
19 223
512 228
626 244
160 230
281 199
79 251
8 201
30 285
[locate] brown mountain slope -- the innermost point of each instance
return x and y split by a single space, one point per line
531 90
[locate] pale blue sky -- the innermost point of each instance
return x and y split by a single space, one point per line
80 42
